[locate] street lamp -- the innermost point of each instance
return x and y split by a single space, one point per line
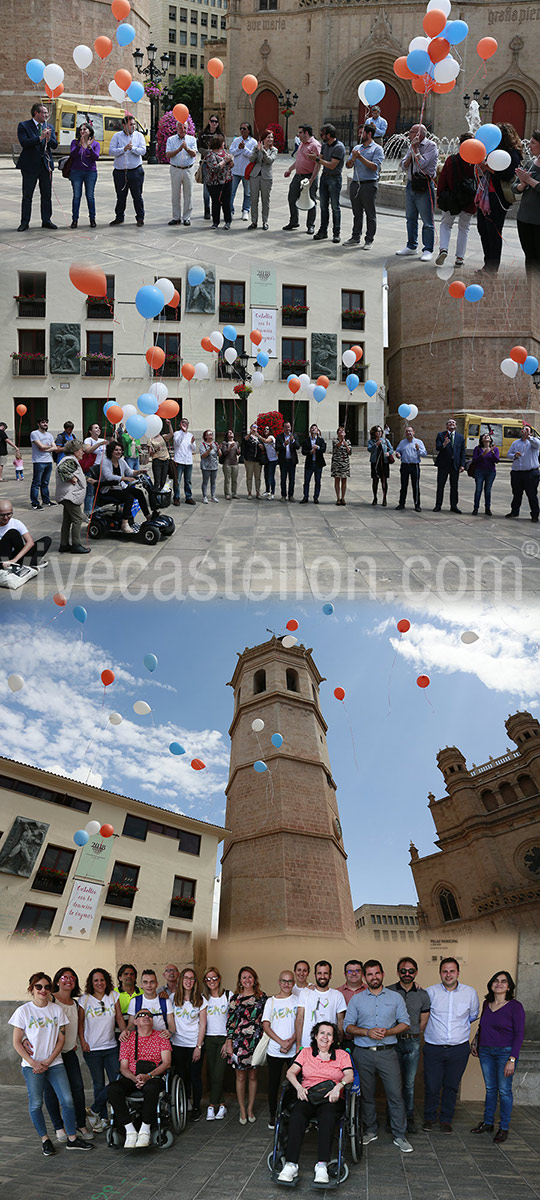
482 103
154 75
285 103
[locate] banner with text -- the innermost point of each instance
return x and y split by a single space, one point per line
265 319
263 287
94 858
81 911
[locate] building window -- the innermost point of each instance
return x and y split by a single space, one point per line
193 60
183 898
448 906
99 354
193 39
384 920
213 22
172 36
223 23
527 785
113 930
373 919
183 16
352 309
182 60
170 343
101 308
123 885
267 5
53 870
294 309
508 794
358 368
182 38
137 827
204 20
292 681
232 301
489 800
259 682
172 12
29 357
194 18
172 58
33 789
294 359
202 62
32 293
35 919
378 919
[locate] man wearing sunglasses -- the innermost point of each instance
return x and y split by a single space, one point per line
408 1044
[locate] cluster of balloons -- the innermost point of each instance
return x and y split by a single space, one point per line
371 91
429 64
152 298
196 763
146 419
349 358
82 836
317 391
483 148
52 75
460 291
409 412
519 358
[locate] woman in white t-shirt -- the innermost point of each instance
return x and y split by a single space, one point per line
214 1042
94 444
38 1037
99 1010
278 1019
65 990
187 1041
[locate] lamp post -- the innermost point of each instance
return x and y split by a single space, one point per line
154 75
482 103
285 103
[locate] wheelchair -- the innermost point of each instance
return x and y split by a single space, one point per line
350 1126
171 1115
106 519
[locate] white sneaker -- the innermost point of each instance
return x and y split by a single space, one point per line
131 1140
143 1138
426 256
321 1173
403 1145
205 501
210 1113
245 216
215 500
406 250
60 1135
221 1112
289 1173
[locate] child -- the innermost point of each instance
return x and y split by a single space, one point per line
19 465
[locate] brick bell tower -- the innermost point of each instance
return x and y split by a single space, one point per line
284 863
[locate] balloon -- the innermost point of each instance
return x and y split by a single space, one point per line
201 371
445 272
456 32
230 355
141 708
499 160
263 359
304 380
472 151
107 677
229 332
166 287
289 641
34 69
216 338
348 358
174 300
81 837
108 404
401 69
457 289
53 75
418 61
120 9
413 412
116 92
92 827
147 404
215 67
136 426
374 91
196 275
129 410
149 301
135 90
181 112
150 661
257 379
125 34
21 410
155 357
123 78
419 85
362 93
319 394
441 89
311 390
487 47
154 425
490 136
197 764
60 600
292 624
255 337
15 683
423 681
434 22
328 609
250 84
107 831
115 414
82 57
443 5
370 387
103 46
473 292
323 381
188 371
276 740
159 390
294 385
176 748
509 368
115 718
358 352
404 411
80 614
207 345
339 693
352 382
469 636
404 625
530 365
438 49
257 725
446 71
260 767
90 280
518 354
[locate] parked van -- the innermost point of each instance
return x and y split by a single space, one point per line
504 431
67 115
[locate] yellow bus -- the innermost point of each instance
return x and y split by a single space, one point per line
67 115
504 430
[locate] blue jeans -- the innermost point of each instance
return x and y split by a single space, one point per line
80 179
40 482
76 1085
132 462
270 476
329 189
99 1061
420 204
35 1084
89 498
483 479
185 470
408 1053
493 1060
246 201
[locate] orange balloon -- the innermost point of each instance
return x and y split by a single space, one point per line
339 693
434 22
404 625
103 46
419 85
401 69
215 67
123 79
53 92
423 681
250 84
181 112
60 600
438 49
487 47
114 414
197 764
255 337
358 351
472 151
90 280
107 677
106 831
292 625
207 345
294 386
517 354
323 381
168 409
174 300
456 289
442 88
120 9
22 409
155 356
188 370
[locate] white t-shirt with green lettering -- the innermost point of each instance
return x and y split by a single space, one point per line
41 1026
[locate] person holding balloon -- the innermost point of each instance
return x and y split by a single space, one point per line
84 153
70 493
455 197
420 165
380 453
340 466
528 216
491 202
35 162
128 148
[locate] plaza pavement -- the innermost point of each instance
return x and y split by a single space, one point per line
224 1161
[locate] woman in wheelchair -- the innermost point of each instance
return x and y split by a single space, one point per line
145 1057
113 484
324 1071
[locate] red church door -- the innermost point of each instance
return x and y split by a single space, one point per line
266 111
510 107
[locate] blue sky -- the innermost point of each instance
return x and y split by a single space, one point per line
388 724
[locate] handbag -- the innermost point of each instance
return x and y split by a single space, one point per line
390 460
66 166
199 177
248 170
471 469
318 1094
87 461
16 576
258 1058
419 182
507 188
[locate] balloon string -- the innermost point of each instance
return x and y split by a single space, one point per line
390 679
436 320
352 735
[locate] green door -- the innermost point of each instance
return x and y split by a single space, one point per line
297 412
36 409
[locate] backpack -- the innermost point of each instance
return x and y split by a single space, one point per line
459 195
162 1005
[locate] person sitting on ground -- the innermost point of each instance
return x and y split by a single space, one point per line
144 1058
114 486
15 540
321 1066
70 493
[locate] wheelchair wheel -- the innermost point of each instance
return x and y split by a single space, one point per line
333 1170
354 1127
178 1104
162 1138
279 1162
114 1137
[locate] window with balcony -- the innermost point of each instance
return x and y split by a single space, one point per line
30 358
358 368
53 870
294 309
35 920
123 885
31 298
183 898
293 360
98 361
168 313
352 309
232 301
101 308
170 343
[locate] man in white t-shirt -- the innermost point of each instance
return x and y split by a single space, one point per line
321 1003
183 442
42 445
181 152
158 1006
15 540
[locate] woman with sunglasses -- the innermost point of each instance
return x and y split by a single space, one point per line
188 1039
214 1042
38 1038
99 1010
65 990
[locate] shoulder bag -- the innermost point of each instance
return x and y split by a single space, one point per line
258 1058
199 177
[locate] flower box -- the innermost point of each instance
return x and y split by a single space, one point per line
31 306
352 318
26 363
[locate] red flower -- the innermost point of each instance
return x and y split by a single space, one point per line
274 420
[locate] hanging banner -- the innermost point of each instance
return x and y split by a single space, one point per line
81 910
263 286
265 320
94 858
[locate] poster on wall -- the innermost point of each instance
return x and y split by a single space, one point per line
81 910
263 286
94 858
265 320
445 947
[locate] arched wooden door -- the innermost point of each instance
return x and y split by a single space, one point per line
266 111
510 107
390 107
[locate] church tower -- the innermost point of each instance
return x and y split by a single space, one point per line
284 863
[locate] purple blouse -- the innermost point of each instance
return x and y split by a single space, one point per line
504 1027
84 159
485 462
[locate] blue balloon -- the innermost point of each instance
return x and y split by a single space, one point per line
455 32
293 376
150 661
263 358
328 609
176 748
319 393
135 91
229 333
530 365
370 387
404 411
374 91
473 292
81 837
34 69
196 275
418 61
149 301
489 136
147 404
276 740
125 34
107 406
259 766
136 425
80 613
352 382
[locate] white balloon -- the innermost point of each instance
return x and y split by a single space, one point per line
509 368
159 391
361 93
115 719
92 827
445 272
82 57
499 160
443 5
446 71
469 637
419 43
15 683
201 371
142 708
230 354
216 339
413 413
53 75
289 641
116 92
129 410
257 379
257 725
311 389
348 358
166 288
154 425
304 380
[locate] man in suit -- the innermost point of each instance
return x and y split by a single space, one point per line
35 161
450 461
287 447
313 448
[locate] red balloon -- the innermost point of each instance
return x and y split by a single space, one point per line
401 69
456 289
434 22
215 67
155 356
294 386
438 49
198 764
123 79
114 414
472 151
323 380
54 92
255 337
174 300
92 281
107 677
60 600
487 47
442 88
292 625
103 46
423 681
188 370
421 85
168 409
106 831
517 354
120 9
358 351
181 112
250 84
404 625
22 409
207 345
339 693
